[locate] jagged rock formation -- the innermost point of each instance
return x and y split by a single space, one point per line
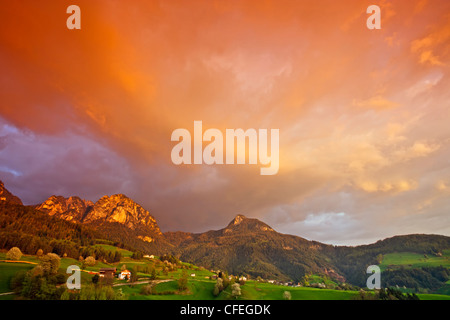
70 209
114 209
121 209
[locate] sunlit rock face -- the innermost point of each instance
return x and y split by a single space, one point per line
116 208
70 209
243 224
119 208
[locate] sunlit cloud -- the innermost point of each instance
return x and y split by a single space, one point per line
363 115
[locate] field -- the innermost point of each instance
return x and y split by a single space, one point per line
414 260
8 270
124 252
265 291
200 286
252 290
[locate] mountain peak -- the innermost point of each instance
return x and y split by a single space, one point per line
119 208
241 222
116 208
238 219
70 209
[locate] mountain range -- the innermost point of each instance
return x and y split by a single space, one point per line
244 246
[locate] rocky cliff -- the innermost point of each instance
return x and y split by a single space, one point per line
108 209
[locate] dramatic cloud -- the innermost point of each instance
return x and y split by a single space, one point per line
363 114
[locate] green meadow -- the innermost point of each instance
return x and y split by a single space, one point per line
200 287
251 290
414 260
8 270
123 252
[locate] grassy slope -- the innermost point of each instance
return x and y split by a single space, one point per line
201 288
8 270
124 252
415 260
252 290
265 291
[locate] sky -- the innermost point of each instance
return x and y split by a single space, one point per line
363 115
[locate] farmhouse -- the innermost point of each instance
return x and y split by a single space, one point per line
125 274
107 272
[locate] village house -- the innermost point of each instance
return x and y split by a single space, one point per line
107 272
125 274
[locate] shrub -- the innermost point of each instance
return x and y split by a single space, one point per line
235 290
147 289
50 263
90 261
14 254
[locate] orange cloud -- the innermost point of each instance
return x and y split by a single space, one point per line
357 109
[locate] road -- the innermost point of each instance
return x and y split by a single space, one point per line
153 282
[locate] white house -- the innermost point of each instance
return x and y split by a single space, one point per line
125 274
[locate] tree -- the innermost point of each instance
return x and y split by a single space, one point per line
379 258
219 283
14 254
218 287
119 295
216 290
182 282
50 263
287 295
17 281
153 274
137 255
89 261
235 290
134 275
95 278
147 289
